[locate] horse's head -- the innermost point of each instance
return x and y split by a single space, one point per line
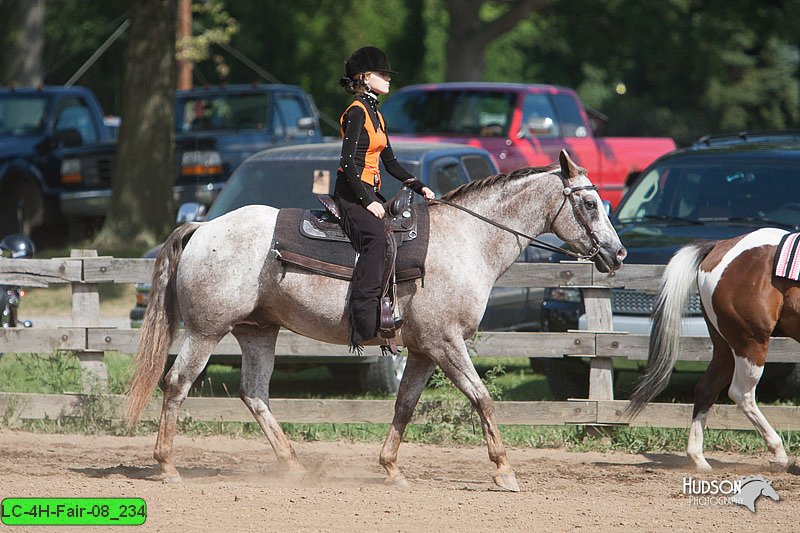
582 221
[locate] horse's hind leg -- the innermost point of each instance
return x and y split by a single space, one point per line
258 362
418 369
190 362
457 366
747 372
717 377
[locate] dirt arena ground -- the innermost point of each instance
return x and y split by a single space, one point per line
233 485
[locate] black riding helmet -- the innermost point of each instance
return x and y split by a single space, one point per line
17 246
367 59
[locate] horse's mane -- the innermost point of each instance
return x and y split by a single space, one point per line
489 181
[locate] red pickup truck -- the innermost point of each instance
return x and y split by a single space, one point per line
521 125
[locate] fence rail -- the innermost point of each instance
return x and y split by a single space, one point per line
89 339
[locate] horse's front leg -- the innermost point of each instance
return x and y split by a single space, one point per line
457 366
416 374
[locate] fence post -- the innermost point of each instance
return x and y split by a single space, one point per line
597 302
86 312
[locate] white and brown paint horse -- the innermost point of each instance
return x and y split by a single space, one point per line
466 256
744 304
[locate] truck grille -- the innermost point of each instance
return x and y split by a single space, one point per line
632 302
97 171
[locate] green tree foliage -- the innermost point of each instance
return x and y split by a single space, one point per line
689 67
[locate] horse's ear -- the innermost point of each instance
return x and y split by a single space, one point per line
568 167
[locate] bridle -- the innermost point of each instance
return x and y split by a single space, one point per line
578 213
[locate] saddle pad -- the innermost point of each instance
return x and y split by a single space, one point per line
336 259
787 258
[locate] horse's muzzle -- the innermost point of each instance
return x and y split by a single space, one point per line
607 260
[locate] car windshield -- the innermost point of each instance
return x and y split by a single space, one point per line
290 183
762 192
450 112
21 115
221 112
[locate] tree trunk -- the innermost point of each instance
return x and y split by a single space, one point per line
141 210
22 46
468 36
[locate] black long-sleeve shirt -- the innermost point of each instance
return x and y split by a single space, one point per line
357 143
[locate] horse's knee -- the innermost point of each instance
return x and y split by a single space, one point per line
735 395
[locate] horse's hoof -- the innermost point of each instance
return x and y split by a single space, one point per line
779 465
506 482
702 467
399 481
172 479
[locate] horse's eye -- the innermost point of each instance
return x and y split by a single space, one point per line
590 204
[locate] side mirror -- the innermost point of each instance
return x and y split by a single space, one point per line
538 126
597 122
69 137
607 207
190 212
305 123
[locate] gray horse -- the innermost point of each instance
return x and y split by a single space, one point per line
466 256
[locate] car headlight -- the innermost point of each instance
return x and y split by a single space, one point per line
201 163
71 171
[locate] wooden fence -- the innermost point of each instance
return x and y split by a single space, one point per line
89 340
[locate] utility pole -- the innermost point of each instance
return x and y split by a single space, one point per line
184 30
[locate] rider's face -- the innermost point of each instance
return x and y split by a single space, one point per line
378 82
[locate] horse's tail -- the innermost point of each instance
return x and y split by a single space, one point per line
677 284
159 324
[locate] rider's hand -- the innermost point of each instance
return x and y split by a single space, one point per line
376 208
427 193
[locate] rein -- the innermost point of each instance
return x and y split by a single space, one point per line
537 242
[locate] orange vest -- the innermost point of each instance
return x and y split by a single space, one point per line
371 174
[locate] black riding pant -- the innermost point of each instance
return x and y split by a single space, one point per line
368 237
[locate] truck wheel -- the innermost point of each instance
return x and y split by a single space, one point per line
21 207
382 376
780 381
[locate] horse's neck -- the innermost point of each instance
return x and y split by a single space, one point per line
520 206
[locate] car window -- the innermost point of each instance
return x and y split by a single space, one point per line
289 183
390 186
536 108
74 114
21 115
445 178
289 109
569 116
278 183
477 167
450 112
720 190
228 111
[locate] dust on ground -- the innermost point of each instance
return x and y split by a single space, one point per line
233 484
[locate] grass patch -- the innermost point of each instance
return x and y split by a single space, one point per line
443 415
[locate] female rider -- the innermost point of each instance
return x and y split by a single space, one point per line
358 184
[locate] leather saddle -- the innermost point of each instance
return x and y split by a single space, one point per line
400 227
325 225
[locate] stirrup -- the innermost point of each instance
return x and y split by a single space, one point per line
389 323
